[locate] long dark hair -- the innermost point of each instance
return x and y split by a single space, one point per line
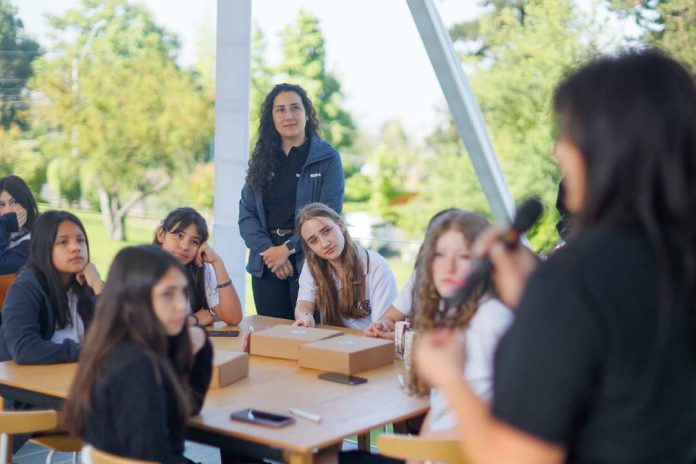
262 164
333 304
633 118
125 312
20 191
41 262
429 314
177 221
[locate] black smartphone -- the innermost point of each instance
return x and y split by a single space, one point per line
223 333
342 378
269 419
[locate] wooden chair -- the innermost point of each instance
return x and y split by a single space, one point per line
14 422
102 457
5 281
420 449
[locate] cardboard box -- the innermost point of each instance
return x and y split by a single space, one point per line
228 367
283 341
348 354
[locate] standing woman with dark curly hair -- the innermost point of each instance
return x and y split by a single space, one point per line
291 166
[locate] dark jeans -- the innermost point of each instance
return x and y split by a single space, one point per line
273 296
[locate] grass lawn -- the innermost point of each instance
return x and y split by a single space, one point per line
141 230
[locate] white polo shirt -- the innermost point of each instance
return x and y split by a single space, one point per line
380 286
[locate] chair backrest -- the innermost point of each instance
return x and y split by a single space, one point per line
5 281
13 422
102 457
420 449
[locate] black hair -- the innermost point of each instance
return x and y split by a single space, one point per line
41 262
262 164
20 191
633 118
564 224
177 221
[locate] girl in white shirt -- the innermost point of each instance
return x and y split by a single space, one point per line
349 285
443 264
184 234
482 319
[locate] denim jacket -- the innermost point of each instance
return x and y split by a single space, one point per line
321 180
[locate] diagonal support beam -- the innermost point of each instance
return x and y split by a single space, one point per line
465 110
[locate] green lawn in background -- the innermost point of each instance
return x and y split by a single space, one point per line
141 230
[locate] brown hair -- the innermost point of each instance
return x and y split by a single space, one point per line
332 304
429 314
125 312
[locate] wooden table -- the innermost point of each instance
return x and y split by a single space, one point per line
272 385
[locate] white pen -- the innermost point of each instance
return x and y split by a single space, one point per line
305 414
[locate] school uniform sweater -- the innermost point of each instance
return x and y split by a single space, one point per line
135 413
28 323
14 246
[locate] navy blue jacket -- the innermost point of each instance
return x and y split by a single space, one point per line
28 323
11 259
321 180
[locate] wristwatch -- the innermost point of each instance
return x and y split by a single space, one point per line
290 246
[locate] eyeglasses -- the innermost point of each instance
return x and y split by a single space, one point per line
281 110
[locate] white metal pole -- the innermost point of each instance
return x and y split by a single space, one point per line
232 82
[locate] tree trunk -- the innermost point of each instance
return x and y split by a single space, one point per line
120 226
114 214
113 221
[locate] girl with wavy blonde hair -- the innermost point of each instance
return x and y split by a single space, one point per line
481 320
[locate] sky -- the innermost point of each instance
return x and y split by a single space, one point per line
372 46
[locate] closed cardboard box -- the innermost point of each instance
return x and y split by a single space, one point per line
283 341
228 367
348 354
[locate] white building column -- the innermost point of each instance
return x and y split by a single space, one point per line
232 82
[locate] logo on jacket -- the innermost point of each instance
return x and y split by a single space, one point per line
315 174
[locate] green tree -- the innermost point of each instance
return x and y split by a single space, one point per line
305 64
116 102
518 52
17 51
666 24
261 81
20 156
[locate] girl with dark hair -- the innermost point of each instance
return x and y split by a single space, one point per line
349 285
184 234
142 371
291 166
51 303
600 363
18 211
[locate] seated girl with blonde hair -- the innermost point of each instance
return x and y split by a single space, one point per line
347 284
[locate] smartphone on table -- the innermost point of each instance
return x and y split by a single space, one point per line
269 419
223 333
342 378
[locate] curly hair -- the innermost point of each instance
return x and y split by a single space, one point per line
429 314
332 304
262 164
